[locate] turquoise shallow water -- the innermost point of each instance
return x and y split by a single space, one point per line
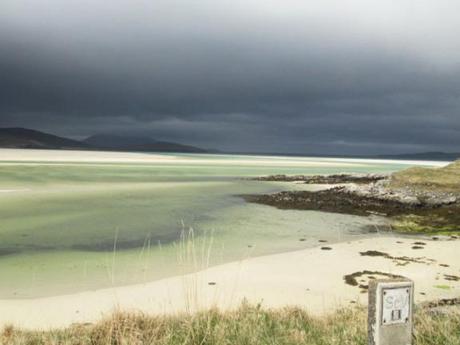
80 226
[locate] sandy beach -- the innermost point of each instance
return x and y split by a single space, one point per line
310 278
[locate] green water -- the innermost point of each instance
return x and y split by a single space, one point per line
79 226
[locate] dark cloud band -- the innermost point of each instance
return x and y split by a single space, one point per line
304 77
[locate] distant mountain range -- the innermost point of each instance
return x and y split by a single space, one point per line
32 139
137 143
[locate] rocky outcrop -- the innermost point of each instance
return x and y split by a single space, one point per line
381 190
411 209
325 179
360 199
338 200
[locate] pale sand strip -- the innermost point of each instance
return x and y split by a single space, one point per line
97 157
60 157
311 278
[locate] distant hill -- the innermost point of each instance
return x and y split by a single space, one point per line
435 156
137 143
31 139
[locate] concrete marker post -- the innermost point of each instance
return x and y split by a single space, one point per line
390 312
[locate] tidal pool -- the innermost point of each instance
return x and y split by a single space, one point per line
74 224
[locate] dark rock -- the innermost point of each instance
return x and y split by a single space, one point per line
451 277
338 200
325 179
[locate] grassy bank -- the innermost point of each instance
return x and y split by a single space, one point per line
247 325
445 179
441 181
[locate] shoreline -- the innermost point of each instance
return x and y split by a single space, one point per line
314 279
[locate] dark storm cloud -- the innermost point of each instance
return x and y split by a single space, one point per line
284 76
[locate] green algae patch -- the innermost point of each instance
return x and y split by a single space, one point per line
443 221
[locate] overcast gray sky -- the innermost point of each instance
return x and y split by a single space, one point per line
324 76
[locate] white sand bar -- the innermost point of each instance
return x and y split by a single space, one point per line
29 156
311 278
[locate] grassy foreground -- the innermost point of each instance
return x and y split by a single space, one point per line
247 325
